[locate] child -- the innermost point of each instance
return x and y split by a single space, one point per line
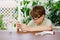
38 22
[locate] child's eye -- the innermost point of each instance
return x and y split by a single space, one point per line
38 17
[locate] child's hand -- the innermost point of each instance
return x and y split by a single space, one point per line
21 26
18 25
24 27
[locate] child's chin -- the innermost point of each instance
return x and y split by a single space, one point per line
37 23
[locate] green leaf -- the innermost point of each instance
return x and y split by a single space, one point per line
27 11
34 3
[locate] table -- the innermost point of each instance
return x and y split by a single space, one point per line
5 35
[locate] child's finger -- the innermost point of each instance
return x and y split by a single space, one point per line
18 24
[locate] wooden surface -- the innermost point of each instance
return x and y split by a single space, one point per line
5 35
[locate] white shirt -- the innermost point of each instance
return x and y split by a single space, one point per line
46 22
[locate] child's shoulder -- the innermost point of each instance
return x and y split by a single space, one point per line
47 21
31 23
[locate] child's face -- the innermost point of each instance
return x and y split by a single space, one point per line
39 20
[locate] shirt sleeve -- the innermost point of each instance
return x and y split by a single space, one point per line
48 22
31 23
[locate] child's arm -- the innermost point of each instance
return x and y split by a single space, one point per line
41 28
36 28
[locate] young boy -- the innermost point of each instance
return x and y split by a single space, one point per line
38 22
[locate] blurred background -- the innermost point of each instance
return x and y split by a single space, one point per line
12 11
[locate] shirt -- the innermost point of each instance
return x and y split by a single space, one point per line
46 22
